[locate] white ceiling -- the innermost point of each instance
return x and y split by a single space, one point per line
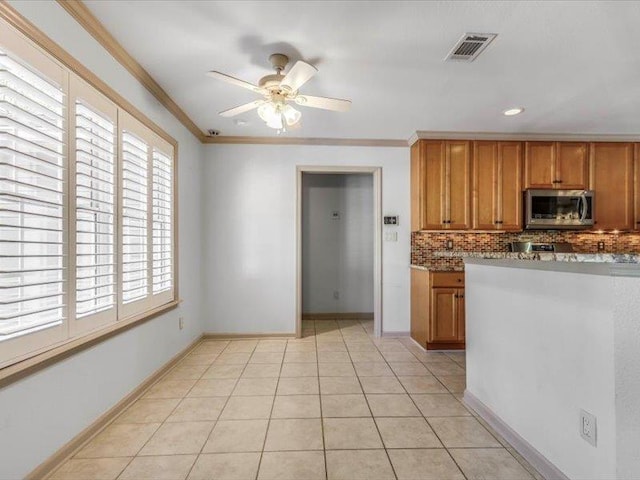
573 65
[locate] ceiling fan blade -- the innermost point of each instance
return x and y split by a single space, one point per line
242 108
235 81
335 104
299 74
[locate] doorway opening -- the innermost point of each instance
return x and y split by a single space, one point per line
339 246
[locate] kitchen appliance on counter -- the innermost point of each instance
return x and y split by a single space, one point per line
531 247
558 209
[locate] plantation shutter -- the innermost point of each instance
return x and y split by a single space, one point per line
94 212
33 252
135 195
162 236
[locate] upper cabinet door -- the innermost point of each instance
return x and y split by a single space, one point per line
572 165
509 186
433 214
417 190
485 185
539 165
611 172
497 186
458 182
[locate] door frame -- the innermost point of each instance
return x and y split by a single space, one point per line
376 173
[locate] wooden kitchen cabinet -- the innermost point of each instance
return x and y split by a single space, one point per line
437 309
497 186
440 185
636 189
611 172
419 305
559 165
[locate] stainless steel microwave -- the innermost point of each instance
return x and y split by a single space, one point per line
558 209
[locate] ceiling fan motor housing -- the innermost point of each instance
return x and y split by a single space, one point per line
279 61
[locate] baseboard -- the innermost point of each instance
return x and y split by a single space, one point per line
538 461
338 316
72 446
396 334
246 336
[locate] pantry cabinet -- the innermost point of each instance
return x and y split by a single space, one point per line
558 165
440 185
497 186
437 309
612 178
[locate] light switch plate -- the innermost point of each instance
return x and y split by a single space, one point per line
391 236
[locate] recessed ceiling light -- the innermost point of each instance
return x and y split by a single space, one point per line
513 111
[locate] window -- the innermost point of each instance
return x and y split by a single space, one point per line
86 207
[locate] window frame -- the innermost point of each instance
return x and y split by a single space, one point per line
29 352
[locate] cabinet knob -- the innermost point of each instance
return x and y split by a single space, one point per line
459 280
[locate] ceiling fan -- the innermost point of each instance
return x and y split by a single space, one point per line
278 90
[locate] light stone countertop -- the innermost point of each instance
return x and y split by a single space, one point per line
545 256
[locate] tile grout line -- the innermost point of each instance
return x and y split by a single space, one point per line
223 407
324 446
273 403
368 405
419 410
137 455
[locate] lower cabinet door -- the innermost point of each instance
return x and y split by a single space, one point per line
444 315
461 316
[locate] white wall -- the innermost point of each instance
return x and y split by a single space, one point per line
43 411
250 233
337 253
540 347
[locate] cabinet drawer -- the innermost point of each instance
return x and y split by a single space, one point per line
447 279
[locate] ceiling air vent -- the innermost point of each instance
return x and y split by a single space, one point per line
470 46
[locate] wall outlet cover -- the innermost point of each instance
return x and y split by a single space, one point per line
335 215
588 430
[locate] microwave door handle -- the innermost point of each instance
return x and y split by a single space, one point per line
583 207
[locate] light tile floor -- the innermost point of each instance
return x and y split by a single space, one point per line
336 404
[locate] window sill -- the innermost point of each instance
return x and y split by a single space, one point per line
40 360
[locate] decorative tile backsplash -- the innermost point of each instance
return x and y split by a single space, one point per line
425 244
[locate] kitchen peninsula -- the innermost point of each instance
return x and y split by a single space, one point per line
547 339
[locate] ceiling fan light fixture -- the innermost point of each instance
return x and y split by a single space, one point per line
291 115
278 115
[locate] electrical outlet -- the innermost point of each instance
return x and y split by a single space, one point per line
600 246
588 427
336 295
181 323
449 244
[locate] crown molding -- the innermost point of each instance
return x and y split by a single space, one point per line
532 137
343 142
91 24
